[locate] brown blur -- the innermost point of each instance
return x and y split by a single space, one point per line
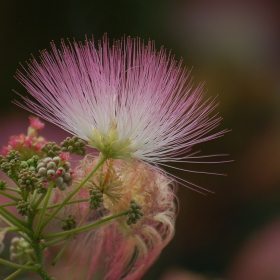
234 46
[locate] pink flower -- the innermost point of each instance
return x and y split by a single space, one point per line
27 145
128 101
64 156
35 123
116 250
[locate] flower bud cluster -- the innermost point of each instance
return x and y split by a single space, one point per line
96 199
69 223
24 208
56 170
27 180
74 145
41 189
30 144
3 185
10 163
51 149
21 251
31 163
134 214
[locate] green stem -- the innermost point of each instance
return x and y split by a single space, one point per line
61 251
42 213
38 201
38 249
68 241
8 204
11 218
12 189
10 196
15 274
70 202
19 266
8 213
84 228
50 243
10 229
16 181
25 195
33 197
102 160
24 236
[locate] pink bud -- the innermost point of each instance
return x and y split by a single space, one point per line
35 123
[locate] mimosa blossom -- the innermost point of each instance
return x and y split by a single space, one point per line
127 100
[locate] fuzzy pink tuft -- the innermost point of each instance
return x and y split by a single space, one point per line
129 91
35 123
27 145
64 156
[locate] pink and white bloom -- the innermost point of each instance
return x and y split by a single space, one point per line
127 100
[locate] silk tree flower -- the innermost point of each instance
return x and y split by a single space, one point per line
128 100
30 144
116 250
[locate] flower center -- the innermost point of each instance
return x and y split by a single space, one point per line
110 145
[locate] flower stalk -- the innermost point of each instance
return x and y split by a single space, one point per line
85 228
42 212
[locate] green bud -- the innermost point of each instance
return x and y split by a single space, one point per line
51 165
96 199
47 160
51 173
73 145
3 185
69 223
134 214
27 180
42 171
23 208
51 149
58 181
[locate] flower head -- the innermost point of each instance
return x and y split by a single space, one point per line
30 144
35 123
127 100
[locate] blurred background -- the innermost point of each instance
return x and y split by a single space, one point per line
234 47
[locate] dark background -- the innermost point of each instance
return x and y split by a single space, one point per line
234 47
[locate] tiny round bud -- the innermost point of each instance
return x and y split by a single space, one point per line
47 160
41 165
58 181
67 166
56 160
67 176
42 171
51 173
69 183
51 165
60 171
63 186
